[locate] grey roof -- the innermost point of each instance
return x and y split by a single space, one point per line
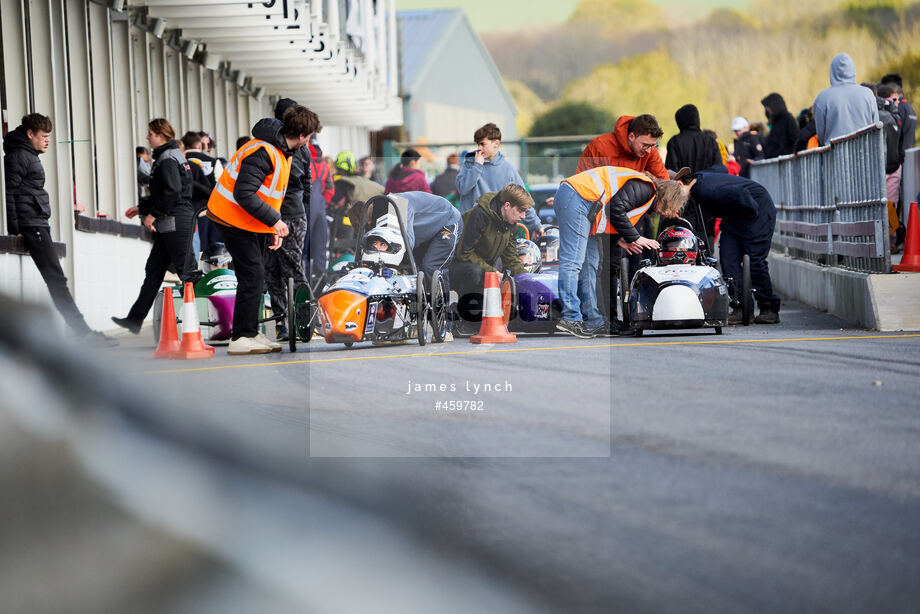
420 33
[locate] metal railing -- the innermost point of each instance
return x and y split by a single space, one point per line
542 159
831 204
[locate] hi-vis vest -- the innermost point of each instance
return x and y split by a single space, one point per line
222 204
600 184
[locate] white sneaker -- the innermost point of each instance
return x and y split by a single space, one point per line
246 345
448 336
273 346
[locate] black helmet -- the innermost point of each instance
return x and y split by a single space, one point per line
214 256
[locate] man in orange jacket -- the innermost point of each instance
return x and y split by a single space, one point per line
632 144
246 203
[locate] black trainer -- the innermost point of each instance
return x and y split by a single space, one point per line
574 327
767 316
134 327
463 329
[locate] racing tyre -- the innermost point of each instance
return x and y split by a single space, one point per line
421 317
348 344
438 308
747 294
623 289
291 316
303 312
509 298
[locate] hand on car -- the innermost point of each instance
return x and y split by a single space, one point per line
638 245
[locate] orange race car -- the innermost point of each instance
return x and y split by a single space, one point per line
382 296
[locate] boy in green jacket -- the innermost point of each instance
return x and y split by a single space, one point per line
489 231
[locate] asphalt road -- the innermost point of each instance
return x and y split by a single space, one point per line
769 469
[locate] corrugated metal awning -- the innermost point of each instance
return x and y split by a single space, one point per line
292 48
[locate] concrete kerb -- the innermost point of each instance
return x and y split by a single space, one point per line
885 302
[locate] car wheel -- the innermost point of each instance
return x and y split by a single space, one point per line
438 308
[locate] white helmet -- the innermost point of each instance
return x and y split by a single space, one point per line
529 255
394 253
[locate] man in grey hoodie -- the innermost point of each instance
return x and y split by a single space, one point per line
845 106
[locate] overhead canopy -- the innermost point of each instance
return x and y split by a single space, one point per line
341 63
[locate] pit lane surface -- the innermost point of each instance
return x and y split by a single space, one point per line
773 468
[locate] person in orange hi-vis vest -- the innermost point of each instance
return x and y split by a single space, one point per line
246 203
603 201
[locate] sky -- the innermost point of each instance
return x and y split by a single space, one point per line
497 15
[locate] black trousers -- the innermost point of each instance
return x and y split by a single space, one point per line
170 248
438 253
249 251
287 261
468 279
732 249
41 248
317 240
208 232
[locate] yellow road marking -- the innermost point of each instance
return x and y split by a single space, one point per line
541 349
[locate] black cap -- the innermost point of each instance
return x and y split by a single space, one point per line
283 105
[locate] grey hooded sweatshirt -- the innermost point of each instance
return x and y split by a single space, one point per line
845 106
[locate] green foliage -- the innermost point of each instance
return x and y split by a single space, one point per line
570 118
648 83
618 17
528 104
730 19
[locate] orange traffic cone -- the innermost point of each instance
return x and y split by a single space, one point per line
910 261
192 346
493 329
169 334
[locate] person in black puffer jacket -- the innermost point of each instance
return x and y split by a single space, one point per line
169 214
28 209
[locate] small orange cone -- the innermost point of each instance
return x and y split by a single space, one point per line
910 261
493 329
192 345
169 333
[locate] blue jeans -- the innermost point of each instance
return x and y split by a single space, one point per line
578 258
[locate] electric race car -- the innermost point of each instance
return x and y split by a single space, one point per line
382 296
684 290
215 297
530 300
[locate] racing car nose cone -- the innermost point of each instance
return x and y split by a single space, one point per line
343 315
